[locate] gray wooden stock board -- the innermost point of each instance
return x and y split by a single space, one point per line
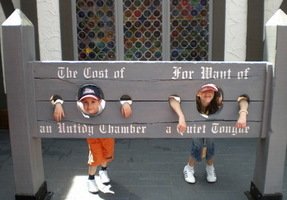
149 84
29 85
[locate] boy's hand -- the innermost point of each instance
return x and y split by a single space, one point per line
126 110
58 112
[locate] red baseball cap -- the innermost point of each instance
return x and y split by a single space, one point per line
208 87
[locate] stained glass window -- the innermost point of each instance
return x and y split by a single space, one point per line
140 29
189 30
96 30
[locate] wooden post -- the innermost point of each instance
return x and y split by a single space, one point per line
18 45
271 152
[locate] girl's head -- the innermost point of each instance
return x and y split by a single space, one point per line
208 99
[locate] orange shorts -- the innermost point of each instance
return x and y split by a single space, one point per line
101 150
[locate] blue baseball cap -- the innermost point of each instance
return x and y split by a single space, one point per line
90 90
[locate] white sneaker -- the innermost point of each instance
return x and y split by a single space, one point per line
104 176
211 176
94 197
188 173
102 187
92 186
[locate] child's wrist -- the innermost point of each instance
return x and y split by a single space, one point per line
126 101
243 111
175 97
181 118
58 101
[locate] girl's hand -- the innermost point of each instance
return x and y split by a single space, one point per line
181 126
242 120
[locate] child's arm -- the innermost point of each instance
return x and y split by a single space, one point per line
243 102
126 106
58 113
126 109
174 102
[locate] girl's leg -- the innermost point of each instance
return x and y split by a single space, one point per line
195 156
210 162
210 170
191 161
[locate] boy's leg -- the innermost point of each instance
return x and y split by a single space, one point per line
108 155
96 158
103 173
92 186
93 162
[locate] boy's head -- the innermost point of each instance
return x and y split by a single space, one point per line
91 97
90 90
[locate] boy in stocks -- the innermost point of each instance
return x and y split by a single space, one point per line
101 150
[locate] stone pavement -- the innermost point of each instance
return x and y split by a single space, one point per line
143 169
